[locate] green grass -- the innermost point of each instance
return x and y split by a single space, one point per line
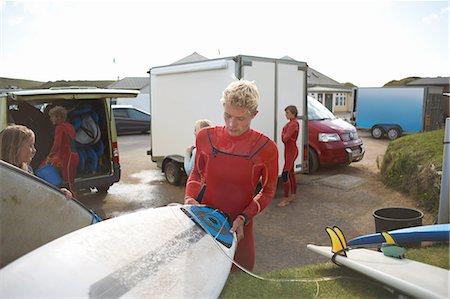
437 255
411 164
352 285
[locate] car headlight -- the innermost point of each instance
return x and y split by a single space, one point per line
329 137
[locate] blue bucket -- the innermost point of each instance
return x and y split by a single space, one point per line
50 174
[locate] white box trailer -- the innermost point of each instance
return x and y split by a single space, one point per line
182 93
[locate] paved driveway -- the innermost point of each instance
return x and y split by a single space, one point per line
283 233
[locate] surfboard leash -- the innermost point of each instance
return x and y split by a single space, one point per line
95 218
218 244
242 268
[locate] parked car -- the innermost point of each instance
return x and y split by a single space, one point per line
130 119
332 141
89 111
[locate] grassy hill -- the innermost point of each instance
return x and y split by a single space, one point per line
30 84
99 84
412 164
6 83
401 82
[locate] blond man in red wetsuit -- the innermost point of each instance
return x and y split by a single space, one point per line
289 137
63 153
229 163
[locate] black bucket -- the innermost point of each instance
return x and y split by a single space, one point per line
388 219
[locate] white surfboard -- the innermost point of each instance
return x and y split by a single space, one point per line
153 253
410 277
33 213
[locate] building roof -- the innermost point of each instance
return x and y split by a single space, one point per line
191 58
319 80
316 78
134 83
431 81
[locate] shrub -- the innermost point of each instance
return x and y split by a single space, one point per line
413 165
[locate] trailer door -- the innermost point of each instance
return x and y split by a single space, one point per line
291 90
279 84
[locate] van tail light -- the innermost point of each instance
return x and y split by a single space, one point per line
115 150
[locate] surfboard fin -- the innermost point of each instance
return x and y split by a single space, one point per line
341 236
388 238
338 243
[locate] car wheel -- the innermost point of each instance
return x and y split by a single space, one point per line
313 160
173 173
377 132
393 133
102 189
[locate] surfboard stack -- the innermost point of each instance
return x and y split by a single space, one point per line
407 276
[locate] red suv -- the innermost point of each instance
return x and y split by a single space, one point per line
332 141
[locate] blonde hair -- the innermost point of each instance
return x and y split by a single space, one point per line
242 93
58 112
202 123
11 140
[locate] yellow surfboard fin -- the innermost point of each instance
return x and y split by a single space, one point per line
341 236
336 244
388 238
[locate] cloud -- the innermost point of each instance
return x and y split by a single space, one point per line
435 16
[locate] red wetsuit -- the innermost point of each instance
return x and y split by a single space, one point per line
230 167
289 138
63 154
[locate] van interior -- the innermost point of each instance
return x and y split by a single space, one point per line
91 123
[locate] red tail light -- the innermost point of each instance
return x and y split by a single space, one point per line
115 150
305 157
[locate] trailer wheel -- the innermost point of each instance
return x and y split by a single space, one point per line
394 133
377 132
173 173
313 160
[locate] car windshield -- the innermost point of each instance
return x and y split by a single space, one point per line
317 111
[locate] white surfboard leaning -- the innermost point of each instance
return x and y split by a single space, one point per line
33 213
413 278
151 253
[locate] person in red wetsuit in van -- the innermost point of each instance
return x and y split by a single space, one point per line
289 137
63 154
230 162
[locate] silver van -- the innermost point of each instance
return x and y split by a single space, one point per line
89 111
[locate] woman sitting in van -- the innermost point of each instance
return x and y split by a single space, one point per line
17 148
63 153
